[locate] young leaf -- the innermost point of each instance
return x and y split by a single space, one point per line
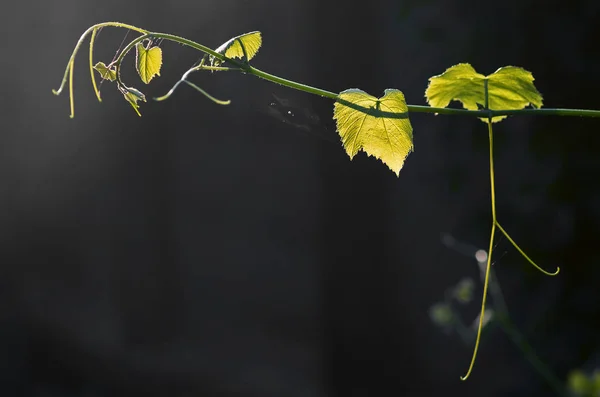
132 96
244 46
105 72
380 127
509 88
148 61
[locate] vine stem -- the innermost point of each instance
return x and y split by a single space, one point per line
244 67
92 66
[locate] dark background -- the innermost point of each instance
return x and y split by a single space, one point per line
207 250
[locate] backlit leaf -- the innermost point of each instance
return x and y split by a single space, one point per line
148 61
105 72
132 96
378 126
233 48
509 88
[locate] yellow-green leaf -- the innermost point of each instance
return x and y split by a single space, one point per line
132 96
244 46
378 126
509 88
105 72
148 61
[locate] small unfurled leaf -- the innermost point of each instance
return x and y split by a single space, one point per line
105 72
380 127
148 61
244 46
132 96
509 88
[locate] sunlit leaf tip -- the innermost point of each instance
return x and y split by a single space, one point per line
378 126
509 88
244 46
132 96
148 61
105 72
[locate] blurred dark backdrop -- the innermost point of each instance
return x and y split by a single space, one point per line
219 251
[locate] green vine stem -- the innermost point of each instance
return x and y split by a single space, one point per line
93 77
243 66
246 68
